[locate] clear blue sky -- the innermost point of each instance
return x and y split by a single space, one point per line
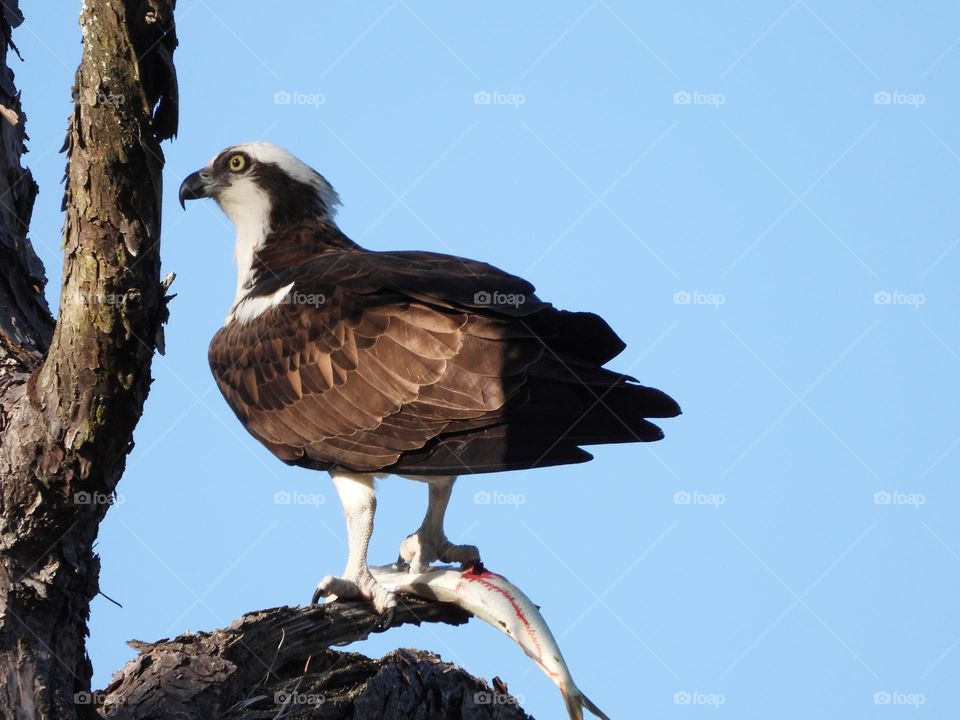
791 169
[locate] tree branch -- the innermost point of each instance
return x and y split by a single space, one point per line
97 372
277 663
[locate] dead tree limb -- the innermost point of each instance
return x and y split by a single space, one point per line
277 663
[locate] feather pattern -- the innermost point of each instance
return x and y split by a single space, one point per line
408 362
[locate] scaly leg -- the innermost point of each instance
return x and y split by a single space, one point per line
359 501
429 543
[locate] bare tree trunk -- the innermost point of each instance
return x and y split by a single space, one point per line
68 415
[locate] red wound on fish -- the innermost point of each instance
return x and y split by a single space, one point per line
476 569
476 572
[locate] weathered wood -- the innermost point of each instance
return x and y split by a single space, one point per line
68 415
25 321
277 663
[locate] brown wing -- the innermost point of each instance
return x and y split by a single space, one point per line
357 381
397 362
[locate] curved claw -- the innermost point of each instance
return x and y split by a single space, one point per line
363 588
386 619
422 548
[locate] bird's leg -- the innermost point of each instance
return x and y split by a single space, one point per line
429 543
359 501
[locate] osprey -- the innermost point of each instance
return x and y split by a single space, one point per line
423 365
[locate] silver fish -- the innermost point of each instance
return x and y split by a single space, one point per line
500 603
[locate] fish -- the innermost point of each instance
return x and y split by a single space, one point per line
500 603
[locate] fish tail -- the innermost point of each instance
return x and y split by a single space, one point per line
576 701
588 704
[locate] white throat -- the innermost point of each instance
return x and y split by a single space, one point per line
249 210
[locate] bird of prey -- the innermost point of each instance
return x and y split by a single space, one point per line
418 364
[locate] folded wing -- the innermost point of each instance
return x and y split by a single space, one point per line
425 363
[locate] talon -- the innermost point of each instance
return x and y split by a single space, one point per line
463 554
336 588
383 600
386 620
423 548
364 587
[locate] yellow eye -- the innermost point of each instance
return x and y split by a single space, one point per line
237 163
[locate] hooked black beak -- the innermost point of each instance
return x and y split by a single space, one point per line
195 186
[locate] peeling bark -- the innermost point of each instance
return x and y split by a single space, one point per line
277 663
25 321
68 415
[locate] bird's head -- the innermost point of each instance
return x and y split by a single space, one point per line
263 184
